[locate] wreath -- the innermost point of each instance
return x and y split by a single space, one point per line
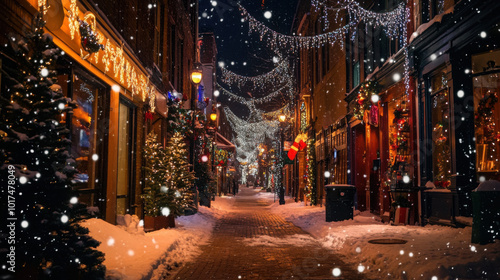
363 99
484 113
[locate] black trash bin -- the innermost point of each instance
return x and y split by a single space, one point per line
486 212
339 202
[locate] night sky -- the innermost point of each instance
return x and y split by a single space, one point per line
241 52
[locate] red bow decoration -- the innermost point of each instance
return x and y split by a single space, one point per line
148 116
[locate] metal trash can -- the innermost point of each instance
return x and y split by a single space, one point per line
486 212
339 202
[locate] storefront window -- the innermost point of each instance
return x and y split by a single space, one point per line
86 139
83 131
440 117
399 132
487 115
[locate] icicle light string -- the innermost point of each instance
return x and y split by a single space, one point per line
248 134
278 75
276 39
406 54
389 19
261 100
393 21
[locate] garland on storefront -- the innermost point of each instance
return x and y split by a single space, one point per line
221 157
442 146
311 188
399 139
179 119
364 98
484 117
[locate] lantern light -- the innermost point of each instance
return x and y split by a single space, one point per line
282 118
327 174
204 158
196 74
213 116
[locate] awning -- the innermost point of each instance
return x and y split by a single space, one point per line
223 143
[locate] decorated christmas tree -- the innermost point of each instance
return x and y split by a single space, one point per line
156 194
49 242
180 178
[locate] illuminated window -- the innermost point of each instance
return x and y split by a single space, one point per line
486 84
440 117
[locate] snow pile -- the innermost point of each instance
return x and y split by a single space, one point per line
130 223
430 251
291 240
132 254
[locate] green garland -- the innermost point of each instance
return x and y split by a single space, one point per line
311 188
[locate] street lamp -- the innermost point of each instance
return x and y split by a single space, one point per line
282 119
196 74
213 116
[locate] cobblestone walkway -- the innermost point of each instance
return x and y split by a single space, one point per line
230 255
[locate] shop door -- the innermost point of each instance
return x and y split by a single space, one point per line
124 190
359 165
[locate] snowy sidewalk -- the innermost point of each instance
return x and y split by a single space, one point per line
132 254
432 252
253 243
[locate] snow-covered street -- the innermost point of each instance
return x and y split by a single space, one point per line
431 252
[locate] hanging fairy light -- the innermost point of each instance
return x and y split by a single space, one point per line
278 40
278 75
392 22
261 100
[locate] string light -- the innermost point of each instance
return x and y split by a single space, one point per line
276 39
392 21
278 75
113 58
261 100
249 133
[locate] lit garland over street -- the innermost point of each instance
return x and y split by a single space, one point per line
393 22
278 75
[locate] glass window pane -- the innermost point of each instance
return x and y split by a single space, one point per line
83 132
440 115
487 133
123 181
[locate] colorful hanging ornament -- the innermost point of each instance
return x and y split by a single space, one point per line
298 145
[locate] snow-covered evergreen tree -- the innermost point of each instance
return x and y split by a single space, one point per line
181 179
50 242
157 195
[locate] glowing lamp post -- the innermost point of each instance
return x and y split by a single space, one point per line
282 119
196 74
